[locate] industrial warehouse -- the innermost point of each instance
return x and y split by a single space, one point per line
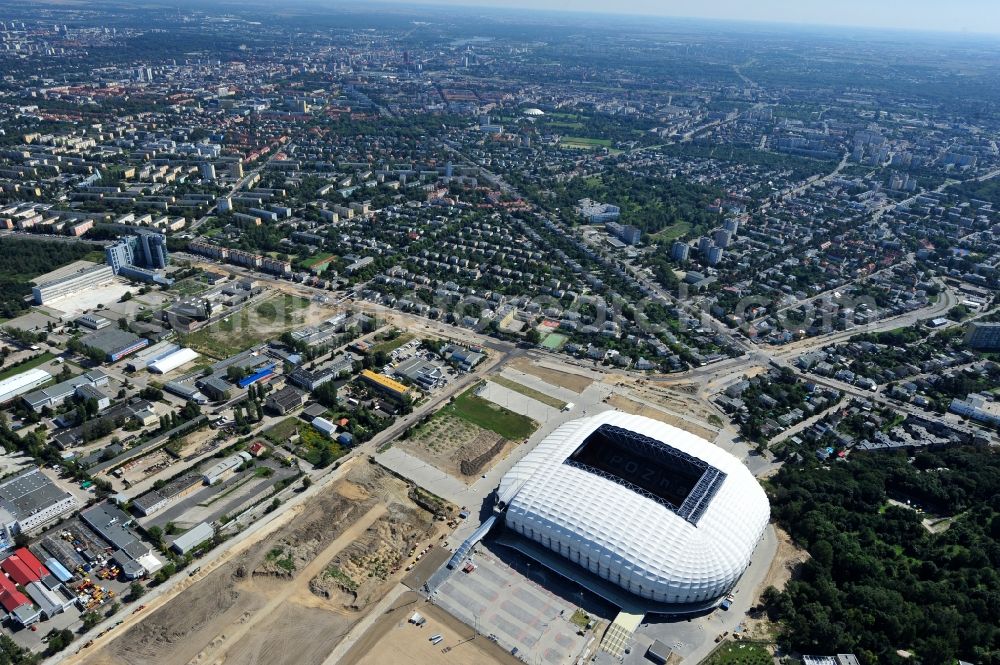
17 385
30 500
172 361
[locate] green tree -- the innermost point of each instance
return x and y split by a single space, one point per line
136 591
156 535
326 394
58 640
90 619
164 574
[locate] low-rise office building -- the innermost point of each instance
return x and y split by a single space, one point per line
217 471
303 378
978 408
53 396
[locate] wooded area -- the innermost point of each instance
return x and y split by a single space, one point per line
879 581
22 260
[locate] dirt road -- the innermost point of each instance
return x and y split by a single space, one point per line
392 636
260 606
219 650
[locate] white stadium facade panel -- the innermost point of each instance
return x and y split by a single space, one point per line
649 507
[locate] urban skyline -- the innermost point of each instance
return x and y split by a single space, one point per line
412 334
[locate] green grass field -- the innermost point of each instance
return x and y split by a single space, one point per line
280 310
488 415
243 329
554 402
279 433
584 142
740 653
554 341
674 231
390 345
40 359
580 619
318 258
565 125
188 287
225 338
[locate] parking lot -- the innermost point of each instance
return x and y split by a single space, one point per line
516 602
516 402
33 639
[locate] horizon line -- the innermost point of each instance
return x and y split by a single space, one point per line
466 5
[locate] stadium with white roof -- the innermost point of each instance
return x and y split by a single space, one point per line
647 507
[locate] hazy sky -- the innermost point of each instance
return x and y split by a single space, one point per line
982 16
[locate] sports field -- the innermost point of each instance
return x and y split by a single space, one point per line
554 341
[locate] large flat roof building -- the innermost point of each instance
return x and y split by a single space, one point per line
112 524
87 278
384 384
28 501
115 343
17 385
982 335
648 507
421 372
284 400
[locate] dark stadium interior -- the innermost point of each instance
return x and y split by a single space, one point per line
651 465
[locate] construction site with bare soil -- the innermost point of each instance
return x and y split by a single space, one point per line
459 448
292 595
